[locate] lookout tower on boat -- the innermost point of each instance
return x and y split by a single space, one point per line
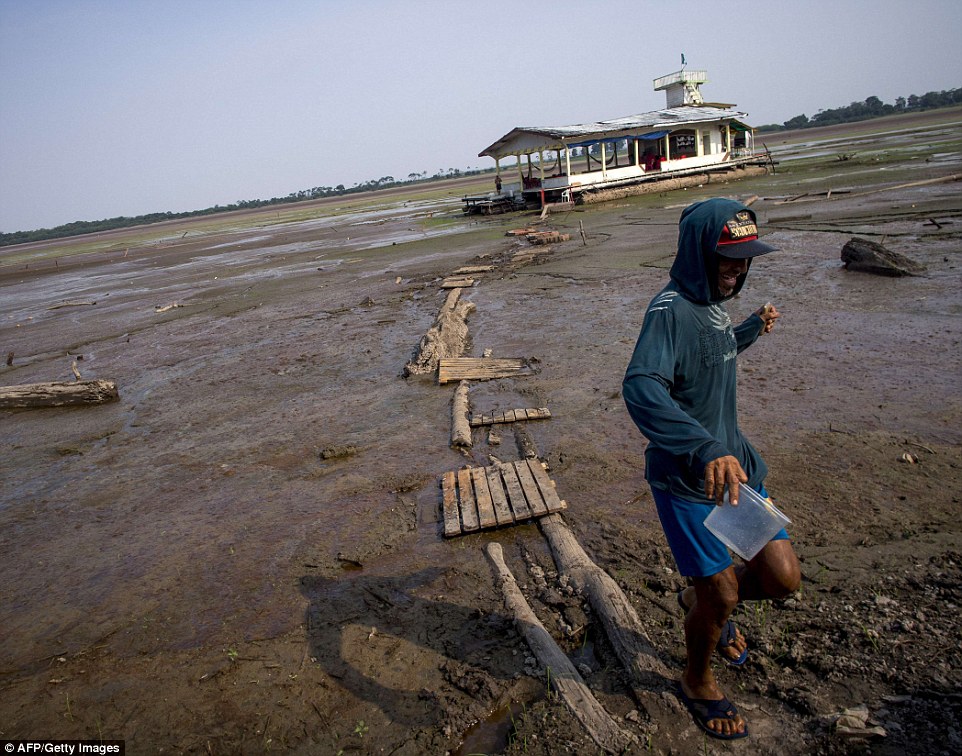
681 87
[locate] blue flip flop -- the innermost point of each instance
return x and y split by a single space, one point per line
703 710
724 641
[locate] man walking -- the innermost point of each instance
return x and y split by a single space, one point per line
680 391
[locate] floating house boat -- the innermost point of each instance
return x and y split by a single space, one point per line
572 163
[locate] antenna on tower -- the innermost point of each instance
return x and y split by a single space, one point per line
683 63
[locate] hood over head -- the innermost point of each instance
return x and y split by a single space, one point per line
702 226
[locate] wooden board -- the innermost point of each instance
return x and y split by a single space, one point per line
466 501
467 269
449 504
531 491
457 282
480 368
482 496
511 416
546 487
516 497
479 498
499 497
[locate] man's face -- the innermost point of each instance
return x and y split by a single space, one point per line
729 270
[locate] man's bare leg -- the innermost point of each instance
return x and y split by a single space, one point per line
773 573
715 599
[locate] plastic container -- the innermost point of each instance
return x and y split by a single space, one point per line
745 529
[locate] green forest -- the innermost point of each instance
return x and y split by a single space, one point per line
77 228
872 107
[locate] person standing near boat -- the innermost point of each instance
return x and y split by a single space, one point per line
679 389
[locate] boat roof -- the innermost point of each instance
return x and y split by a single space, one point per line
528 139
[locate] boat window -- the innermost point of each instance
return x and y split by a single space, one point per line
682 144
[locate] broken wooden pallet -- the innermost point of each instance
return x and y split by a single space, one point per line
510 416
521 231
477 498
547 237
480 368
457 282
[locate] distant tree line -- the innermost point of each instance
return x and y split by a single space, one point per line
873 107
108 224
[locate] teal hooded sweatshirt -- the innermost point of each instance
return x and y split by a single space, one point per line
680 384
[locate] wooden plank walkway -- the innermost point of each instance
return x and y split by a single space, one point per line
480 498
480 368
510 416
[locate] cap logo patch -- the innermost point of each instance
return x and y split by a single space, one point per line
739 229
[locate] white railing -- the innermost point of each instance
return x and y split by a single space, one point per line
693 77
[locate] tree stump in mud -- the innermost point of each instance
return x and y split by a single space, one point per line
448 336
871 257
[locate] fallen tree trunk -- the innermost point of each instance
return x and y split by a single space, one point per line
57 394
562 675
651 680
446 338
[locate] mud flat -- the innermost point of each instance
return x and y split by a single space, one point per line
185 569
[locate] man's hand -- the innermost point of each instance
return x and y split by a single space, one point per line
769 314
721 473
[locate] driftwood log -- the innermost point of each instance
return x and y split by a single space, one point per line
460 425
57 394
871 257
651 681
448 336
562 675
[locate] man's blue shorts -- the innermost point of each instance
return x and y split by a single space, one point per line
697 552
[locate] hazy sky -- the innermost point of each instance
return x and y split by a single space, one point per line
126 107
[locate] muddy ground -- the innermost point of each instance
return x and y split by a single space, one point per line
184 570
